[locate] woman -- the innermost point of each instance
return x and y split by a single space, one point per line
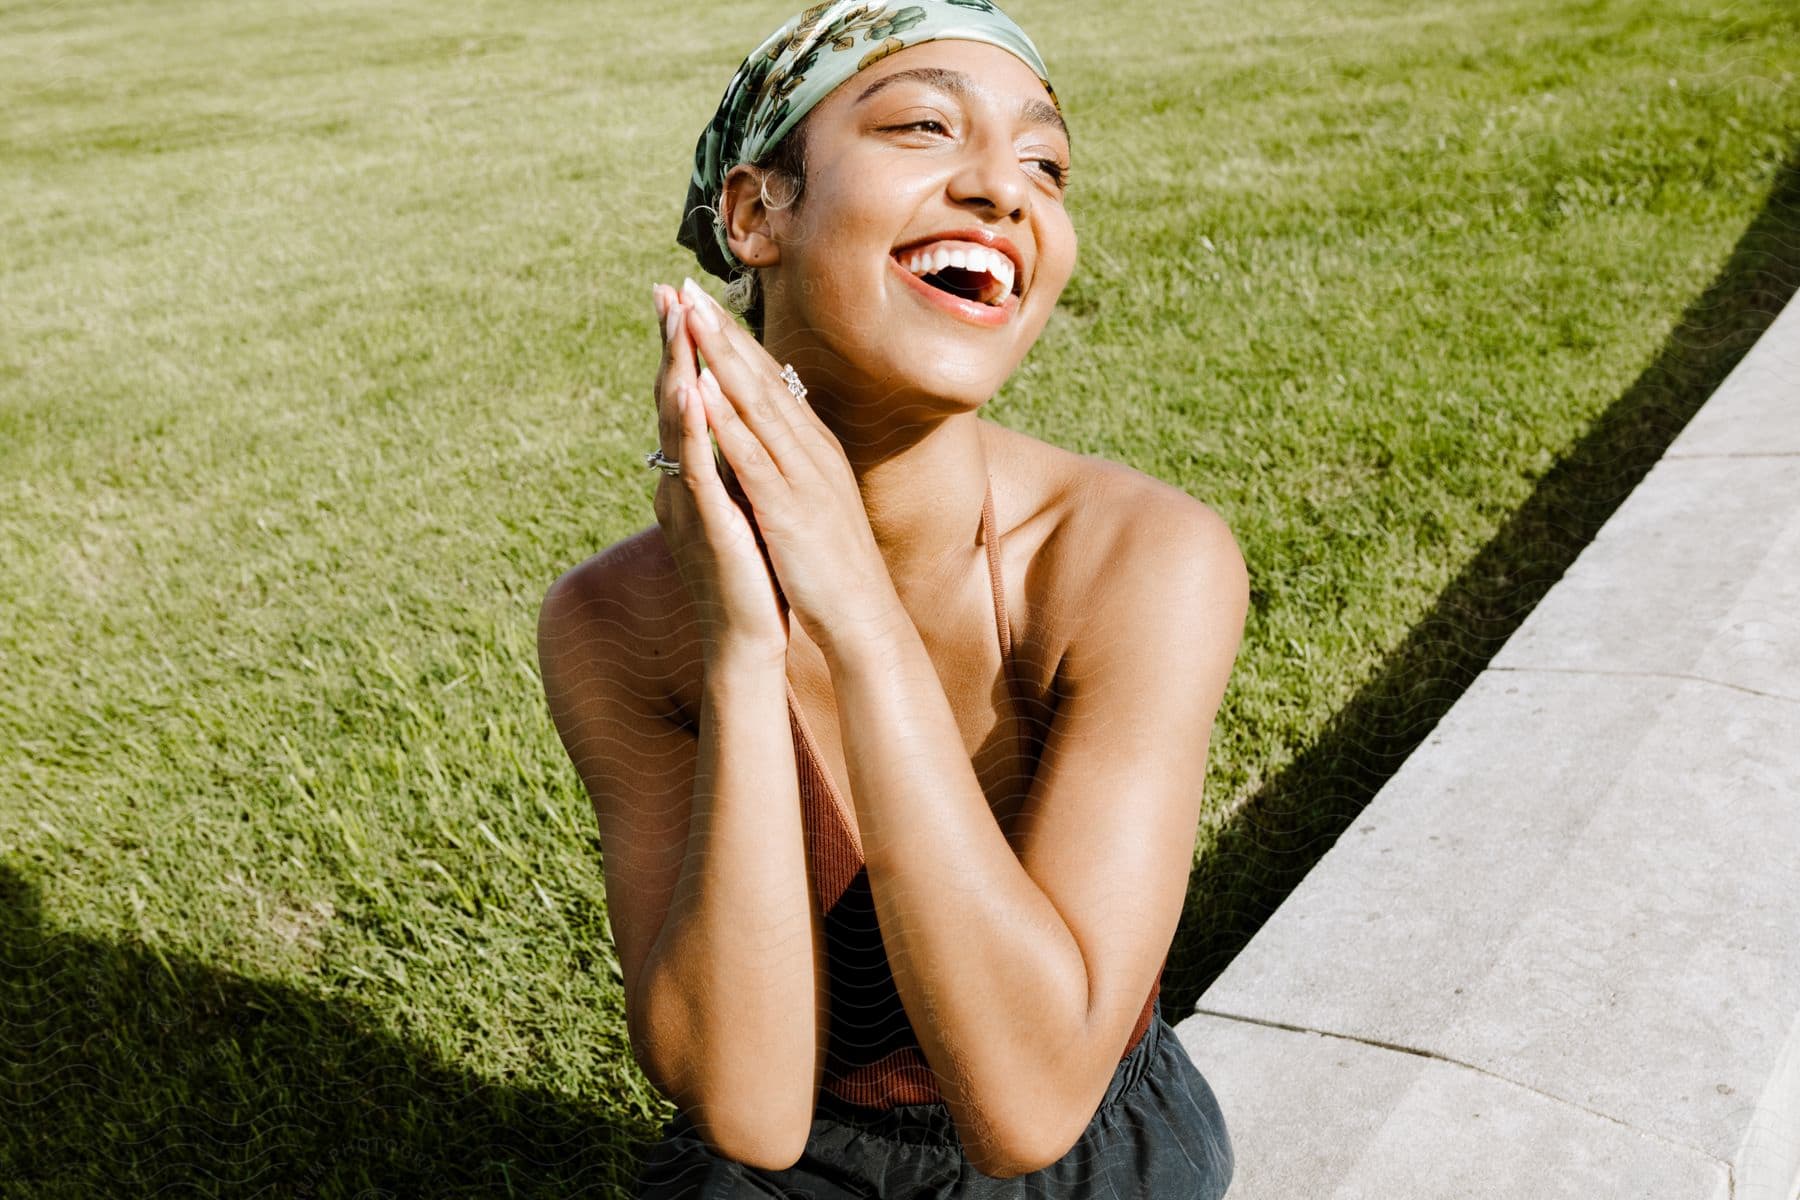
892 881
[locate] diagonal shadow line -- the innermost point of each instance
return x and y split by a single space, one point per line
127 1072
123 1071
1267 847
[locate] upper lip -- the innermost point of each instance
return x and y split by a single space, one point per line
981 237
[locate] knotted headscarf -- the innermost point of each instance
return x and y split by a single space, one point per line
799 65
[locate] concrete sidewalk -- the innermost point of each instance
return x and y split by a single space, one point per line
1558 955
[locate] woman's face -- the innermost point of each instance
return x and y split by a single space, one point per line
898 160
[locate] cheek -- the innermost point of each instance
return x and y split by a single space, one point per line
1059 231
1059 261
864 199
846 236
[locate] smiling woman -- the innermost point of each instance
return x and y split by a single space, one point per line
892 883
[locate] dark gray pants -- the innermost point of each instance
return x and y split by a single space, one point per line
1157 1135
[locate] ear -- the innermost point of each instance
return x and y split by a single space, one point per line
749 223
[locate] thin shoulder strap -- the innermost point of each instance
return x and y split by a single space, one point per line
990 537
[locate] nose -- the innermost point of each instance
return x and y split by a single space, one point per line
990 177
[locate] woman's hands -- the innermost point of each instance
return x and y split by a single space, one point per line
801 489
713 541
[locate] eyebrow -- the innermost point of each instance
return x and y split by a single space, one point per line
1040 112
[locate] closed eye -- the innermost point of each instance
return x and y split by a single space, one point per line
1052 168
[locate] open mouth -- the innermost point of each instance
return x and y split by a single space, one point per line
971 273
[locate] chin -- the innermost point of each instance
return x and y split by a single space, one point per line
905 363
947 388
953 369
976 384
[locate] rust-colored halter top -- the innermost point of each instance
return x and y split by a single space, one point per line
873 1058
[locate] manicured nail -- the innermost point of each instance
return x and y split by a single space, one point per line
681 399
701 303
674 315
707 392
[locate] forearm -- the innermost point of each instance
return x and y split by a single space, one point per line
733 985
989 973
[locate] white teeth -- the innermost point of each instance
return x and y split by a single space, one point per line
968 258
1001 268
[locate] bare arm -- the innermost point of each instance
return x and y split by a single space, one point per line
962 923
719 940
730 983
1075 919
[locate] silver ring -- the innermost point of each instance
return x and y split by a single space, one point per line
792 379
667 466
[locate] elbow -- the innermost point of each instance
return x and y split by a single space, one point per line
1009 1161
995 1164
763 1125
750 1135
1023 1149
755 1130
1030 1123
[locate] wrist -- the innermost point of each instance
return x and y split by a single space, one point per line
741 655
865 625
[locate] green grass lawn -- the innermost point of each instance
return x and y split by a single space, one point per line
326 344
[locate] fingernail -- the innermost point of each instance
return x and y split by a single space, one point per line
707 380
681 399
669 320
702 305
656 298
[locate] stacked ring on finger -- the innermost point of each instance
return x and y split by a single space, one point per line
792 379
669 466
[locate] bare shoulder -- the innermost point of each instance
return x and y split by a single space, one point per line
1108 552
605 678
634 559
1121 531
1157 584
611 608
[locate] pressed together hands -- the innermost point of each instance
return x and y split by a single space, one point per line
778 523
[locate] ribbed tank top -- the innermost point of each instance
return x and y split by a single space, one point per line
873 1057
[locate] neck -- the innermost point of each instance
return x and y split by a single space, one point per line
922 487
921 463
924 502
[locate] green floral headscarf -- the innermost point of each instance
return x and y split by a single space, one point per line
799 65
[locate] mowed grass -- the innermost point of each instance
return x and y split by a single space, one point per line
326 344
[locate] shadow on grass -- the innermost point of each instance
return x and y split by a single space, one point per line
125 1073
1281 832
122 1073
